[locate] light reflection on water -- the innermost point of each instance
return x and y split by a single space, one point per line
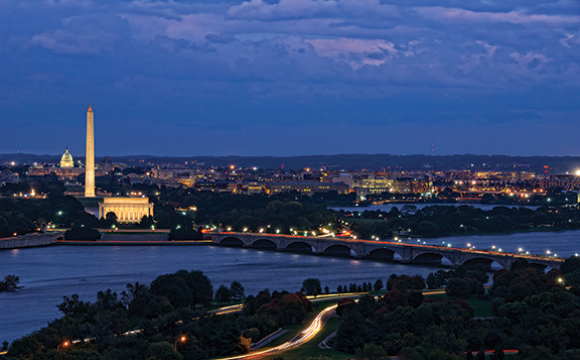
49 273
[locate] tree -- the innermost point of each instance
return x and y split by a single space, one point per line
237 291
428 228
107 300
163 351
521 263
498 352
24 347
223 294
111 219
458 287
146 222
82 233
352 332
570 265
311 286
378 285
370 352
10 283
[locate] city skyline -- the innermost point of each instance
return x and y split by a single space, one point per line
291 77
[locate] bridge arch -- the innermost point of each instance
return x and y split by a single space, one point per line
338 250
539 266
60 238
430 258
232 241
381 254
473 262
264 244
299 247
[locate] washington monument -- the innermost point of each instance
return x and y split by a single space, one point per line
90 156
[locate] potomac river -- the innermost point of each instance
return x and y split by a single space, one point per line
49 273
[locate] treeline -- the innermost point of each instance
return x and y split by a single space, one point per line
379 162
277 216
21 216
440 220
251 212
171 318
236 211
535 313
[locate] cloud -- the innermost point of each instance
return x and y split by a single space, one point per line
66 42
514 17
220 38
285 9
355 52
226 64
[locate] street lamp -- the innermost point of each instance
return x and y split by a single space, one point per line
64 344
182 339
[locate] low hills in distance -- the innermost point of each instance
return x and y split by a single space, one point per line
372 162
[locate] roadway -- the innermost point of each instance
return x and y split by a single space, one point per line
399 243
310 332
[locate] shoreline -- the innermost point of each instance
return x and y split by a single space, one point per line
134 243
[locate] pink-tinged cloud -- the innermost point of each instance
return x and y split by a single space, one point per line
526 59
471 61
288 9
570 41
514 17
65 42
354 52
258 9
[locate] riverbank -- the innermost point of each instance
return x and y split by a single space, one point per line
30 240
134 243
406 234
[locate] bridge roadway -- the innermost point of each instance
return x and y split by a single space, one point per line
379 250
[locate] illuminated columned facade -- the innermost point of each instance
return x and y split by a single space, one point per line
127 209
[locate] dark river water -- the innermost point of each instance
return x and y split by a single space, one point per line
49 273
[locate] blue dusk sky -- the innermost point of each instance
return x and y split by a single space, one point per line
291 77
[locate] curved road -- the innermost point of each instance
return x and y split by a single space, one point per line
315 326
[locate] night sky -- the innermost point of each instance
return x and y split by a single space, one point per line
291 77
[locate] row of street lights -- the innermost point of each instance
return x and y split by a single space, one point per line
181 339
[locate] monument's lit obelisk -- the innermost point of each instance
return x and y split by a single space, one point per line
90 156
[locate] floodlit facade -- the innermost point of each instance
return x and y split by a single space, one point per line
90 156
66 162
127 209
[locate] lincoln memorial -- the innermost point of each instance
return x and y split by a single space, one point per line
127 209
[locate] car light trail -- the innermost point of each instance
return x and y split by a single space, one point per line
304 336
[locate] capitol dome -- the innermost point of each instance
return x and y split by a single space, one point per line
67 160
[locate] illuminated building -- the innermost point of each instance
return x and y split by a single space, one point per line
67 170
90 156
66 162
410 185
307 188
127 209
